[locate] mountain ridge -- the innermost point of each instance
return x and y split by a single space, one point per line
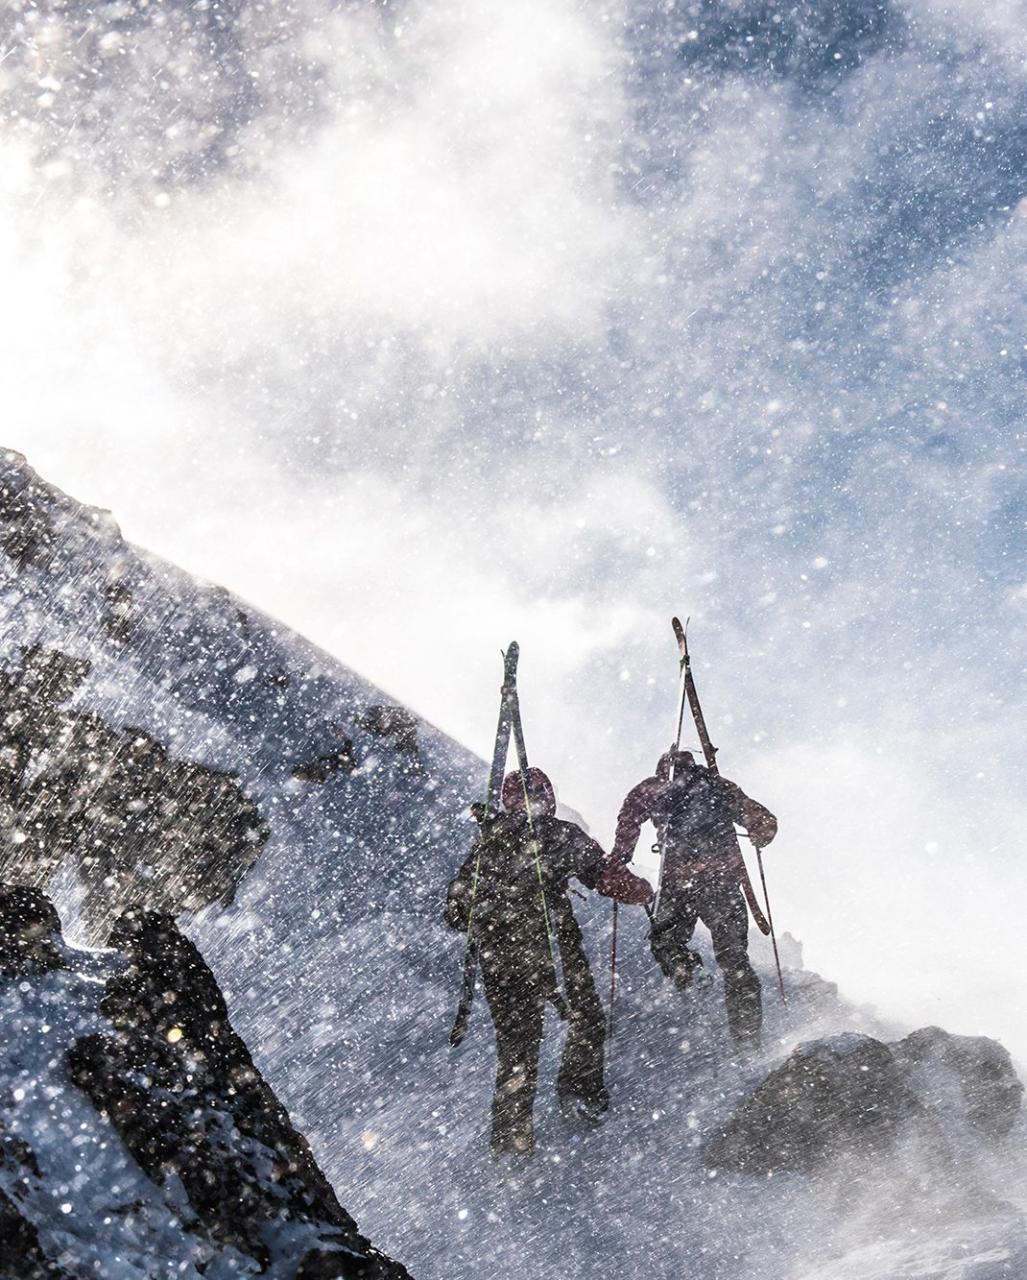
338 972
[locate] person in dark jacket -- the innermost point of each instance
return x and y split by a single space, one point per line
696 812
512 892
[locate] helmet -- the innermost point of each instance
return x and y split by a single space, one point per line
681 760
540 791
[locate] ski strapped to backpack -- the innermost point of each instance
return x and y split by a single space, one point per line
493 788
764 923
710 753
554 994
683 678
509 722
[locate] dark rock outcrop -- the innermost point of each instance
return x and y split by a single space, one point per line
21 1257
21 1254
829 1096
138 825
393 723
853 1095
971 1075
30 933
182 1090
27 529
321 768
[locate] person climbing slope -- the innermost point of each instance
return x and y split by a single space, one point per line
696 810
516 875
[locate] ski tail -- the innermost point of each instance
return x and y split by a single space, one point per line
758 918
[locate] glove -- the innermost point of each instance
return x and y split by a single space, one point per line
617 882
762 832
760 823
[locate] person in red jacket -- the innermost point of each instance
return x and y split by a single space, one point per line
696 812
513 889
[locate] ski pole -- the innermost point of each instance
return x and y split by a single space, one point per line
613 968
770 921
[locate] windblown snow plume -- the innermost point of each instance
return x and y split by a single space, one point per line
421 325
338 973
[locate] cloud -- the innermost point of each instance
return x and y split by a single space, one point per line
547 321
896 868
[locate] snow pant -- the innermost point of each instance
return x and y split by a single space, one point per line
720 904
516 975
580 1077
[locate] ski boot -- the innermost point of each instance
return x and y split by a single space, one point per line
581 1112
689 974
516 1144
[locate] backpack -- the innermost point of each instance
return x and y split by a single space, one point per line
508 870
693 815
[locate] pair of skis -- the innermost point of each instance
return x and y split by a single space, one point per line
508 708
687 694
509 726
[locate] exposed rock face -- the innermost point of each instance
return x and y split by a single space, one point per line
394 723
181 1089
852 1094
139 825
842 1094
21 1258
968 1074
320 769
28 531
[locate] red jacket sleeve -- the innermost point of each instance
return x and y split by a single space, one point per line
756 818
636 810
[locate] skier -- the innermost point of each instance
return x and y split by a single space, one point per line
512 890
695 812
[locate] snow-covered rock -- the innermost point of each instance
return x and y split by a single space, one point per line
135 1131
852 1095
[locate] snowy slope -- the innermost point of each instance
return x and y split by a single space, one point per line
341 978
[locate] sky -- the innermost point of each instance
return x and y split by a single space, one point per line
425 326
